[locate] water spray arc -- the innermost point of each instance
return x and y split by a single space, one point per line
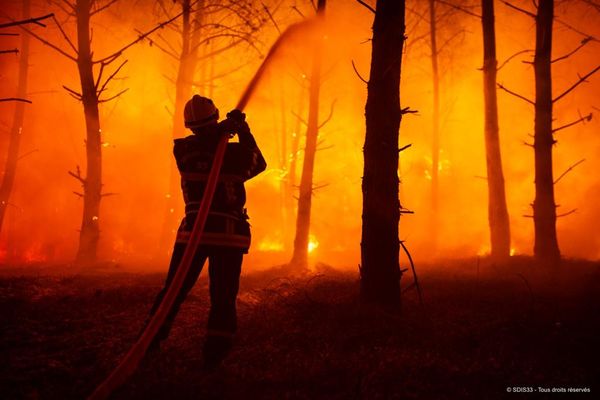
130 362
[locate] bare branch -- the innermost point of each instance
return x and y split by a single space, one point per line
471 13
592 4
112 57
321 148
414 271
15 99
167 43
583 43
271 17
221 50
567 213
568 170
64 8
47 43
500 86
99 77
530 14
579 82
241 38
568 26
407 110
321 186
15 51
110 78
299 118
167 77
27 21
104 7
326 120
28 153
401 149
224 74
77 175
585 118
298 11
358 73
513 56
113 97
64 34
367 6
450 39
153 43
73 93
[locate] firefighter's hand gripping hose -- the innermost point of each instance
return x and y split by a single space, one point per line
132 359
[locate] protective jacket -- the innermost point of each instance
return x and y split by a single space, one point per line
227 222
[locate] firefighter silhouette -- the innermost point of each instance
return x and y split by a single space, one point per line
226 236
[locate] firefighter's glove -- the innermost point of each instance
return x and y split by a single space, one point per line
238 119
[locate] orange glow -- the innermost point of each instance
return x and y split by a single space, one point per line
313 243
270 245
137 139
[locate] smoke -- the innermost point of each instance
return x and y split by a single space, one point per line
42 223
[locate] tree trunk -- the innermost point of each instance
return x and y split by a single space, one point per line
284 184
301 240
544 208
435 141
14 139
497 211
294 163
183 92
380 270
92 183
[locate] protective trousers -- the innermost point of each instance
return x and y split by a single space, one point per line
224 270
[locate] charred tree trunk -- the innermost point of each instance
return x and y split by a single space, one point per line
14 139
544 208
183 92
497 211
92 183
380 270
435 139
301 240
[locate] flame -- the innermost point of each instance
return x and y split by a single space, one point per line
313 243
34 254
483 251
270 245
513 251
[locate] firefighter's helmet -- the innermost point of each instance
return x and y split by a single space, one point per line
199 112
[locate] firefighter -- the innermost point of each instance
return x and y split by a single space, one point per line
226 236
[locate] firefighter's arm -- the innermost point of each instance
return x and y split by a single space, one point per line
257 161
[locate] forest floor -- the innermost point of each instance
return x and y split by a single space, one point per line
483 328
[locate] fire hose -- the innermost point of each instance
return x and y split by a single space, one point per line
130 362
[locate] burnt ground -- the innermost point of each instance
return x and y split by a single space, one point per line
483 328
